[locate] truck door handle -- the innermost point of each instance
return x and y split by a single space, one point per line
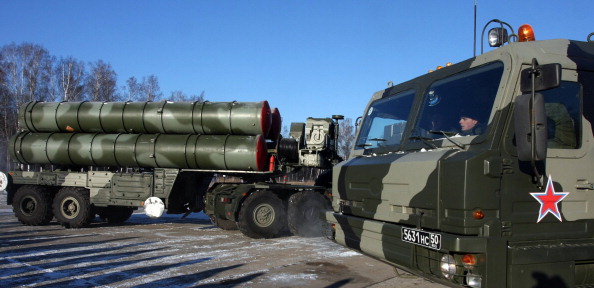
584 185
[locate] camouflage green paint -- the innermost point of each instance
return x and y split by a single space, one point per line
206 152
212 118
436 185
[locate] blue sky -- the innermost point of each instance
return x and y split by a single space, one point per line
308 58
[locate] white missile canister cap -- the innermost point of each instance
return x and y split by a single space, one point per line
154 207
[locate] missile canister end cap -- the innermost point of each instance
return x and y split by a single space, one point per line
276 125
261 154
265 118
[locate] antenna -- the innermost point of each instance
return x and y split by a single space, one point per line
474 28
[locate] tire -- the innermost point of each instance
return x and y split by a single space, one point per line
72 207
116 214
263 215
304 214
32 205
223 223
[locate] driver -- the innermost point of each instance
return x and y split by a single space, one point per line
469 125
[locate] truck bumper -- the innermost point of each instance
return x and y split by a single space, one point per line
383 241
500 263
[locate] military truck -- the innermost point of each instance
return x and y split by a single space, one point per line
479 174
77 160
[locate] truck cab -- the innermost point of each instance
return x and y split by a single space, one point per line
479 174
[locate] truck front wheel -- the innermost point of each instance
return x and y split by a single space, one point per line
32 205
263 215
72 207
304 214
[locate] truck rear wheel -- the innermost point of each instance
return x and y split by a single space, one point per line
32 205
263 215
304 214
116 214
72 207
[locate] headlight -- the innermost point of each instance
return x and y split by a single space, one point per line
497 37
447 266
473 280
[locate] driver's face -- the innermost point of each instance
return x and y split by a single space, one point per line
467 123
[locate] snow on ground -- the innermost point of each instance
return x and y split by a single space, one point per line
175 252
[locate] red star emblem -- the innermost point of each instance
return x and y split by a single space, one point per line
549 199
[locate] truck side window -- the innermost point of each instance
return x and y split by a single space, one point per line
385 121
562 107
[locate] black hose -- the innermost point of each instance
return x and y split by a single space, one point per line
288 149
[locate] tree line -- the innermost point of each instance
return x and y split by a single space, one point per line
29 72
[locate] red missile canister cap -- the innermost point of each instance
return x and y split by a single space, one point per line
261 154
275 128
265 118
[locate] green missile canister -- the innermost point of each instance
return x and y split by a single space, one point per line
180 151
211 118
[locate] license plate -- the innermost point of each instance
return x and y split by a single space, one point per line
422 238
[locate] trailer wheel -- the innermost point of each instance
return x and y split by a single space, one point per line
32 205
304 214
72 207
223 223
263 215
116 214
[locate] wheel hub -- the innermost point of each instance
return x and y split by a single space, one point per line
264 215
28 205
70 207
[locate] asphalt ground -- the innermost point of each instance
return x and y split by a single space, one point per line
175 252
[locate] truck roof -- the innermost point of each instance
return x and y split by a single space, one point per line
569 53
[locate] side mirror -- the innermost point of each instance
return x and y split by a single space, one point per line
547 76
530 147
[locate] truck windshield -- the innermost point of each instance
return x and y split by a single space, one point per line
385 121
459 105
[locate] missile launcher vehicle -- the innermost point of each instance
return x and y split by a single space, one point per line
82 159
479 174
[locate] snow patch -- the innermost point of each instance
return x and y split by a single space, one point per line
293 279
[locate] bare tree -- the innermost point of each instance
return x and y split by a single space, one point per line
151 89
38 65
27 70
346 138
147 90
179 96
101 82
5 99
26 73
29 73
25 77
70 74
285 131
4 116
199 98
133 89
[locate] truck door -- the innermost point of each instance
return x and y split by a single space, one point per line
526 210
